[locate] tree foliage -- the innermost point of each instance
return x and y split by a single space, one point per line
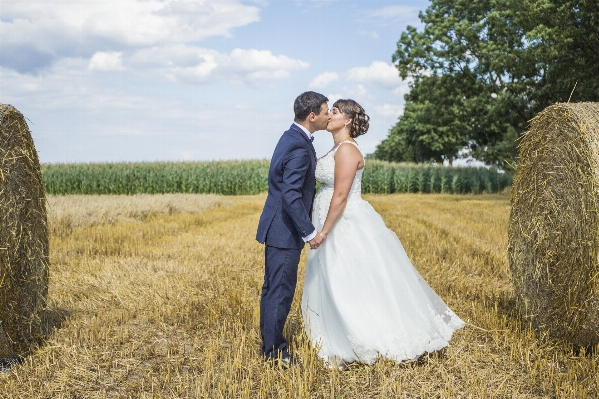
481 69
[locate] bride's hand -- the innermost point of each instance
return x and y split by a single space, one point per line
317 241
323 238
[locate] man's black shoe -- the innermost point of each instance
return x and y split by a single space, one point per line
7 363
286 361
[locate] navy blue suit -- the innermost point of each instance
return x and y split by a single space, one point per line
284 221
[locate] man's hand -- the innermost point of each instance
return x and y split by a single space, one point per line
317 241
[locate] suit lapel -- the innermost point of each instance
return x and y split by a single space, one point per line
305 137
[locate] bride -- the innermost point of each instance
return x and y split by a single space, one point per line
362 297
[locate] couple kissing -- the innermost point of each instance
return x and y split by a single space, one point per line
362 297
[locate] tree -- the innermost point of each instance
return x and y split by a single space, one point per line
432 126
501 62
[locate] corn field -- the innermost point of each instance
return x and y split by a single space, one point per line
387 178
250 177
225 177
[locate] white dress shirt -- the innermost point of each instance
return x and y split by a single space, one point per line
311 236
305 130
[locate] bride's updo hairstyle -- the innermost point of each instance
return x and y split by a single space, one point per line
359 120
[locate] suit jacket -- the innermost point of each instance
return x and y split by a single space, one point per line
286 217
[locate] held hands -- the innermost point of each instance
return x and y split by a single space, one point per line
317 241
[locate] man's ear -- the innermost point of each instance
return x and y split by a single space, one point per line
312 117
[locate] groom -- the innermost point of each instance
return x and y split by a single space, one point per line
285 224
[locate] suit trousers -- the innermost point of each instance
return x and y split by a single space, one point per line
280 279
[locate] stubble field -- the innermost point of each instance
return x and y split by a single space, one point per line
158 297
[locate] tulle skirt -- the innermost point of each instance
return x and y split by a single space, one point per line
362 297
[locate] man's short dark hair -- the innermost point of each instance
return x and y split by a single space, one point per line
307 102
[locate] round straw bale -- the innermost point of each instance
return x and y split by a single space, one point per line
554 223
23 236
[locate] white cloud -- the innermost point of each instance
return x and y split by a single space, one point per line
403 89
396 13
379 74
392 110
334 97
255 66
373 34
134 22
189 64
314 3
362 80
186 155
359 90
37 33
323 80
102 61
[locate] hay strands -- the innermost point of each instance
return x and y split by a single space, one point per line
23 238
554 223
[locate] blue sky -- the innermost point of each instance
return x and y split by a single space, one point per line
177 80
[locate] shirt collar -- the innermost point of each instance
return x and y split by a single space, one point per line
304 130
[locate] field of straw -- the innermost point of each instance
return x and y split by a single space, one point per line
157 297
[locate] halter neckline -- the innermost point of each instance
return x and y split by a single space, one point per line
334 149
346 141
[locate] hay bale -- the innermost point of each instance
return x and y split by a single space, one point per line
554 223
23 236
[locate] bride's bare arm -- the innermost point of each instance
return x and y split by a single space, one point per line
348 160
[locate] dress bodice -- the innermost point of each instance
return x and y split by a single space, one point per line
325 172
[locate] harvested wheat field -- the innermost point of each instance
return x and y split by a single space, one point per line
158 298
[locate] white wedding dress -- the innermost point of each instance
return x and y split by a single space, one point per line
362 297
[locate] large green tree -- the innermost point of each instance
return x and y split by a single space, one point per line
481 69
431 128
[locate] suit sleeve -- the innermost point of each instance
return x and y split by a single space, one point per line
294 174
